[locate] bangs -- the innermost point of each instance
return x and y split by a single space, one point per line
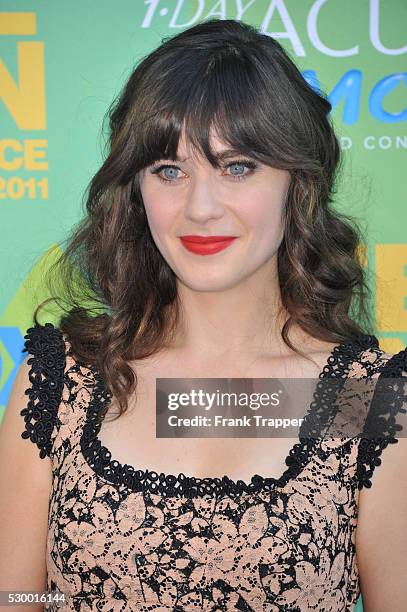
225 96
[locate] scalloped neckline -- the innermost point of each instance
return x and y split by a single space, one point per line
101 462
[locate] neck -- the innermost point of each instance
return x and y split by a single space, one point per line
225 324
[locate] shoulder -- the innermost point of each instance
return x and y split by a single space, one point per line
376 360
45 341
47 349
381 535
385 424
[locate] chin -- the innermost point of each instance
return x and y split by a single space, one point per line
208 284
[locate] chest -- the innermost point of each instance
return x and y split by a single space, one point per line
131 439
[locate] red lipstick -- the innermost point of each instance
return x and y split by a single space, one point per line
206 245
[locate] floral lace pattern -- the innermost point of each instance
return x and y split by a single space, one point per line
127 539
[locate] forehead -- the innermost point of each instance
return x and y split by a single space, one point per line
219 146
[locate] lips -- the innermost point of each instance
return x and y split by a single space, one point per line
206 239
206 245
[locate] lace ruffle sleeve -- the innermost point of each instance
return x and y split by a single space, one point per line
387 411
46 346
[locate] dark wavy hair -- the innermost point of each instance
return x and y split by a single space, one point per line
117 293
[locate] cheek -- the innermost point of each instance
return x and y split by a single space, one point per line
158 217
263 213
159 210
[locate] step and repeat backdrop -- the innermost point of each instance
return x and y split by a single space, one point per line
62 63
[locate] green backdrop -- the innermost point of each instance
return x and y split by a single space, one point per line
62 62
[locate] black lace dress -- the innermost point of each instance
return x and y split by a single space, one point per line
126 539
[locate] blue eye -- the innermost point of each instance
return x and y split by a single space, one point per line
236 164
248 163
164 167
171 169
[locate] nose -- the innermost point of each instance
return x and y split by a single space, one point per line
202 202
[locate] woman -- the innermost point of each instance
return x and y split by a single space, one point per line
215 134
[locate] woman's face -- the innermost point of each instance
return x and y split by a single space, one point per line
193 198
